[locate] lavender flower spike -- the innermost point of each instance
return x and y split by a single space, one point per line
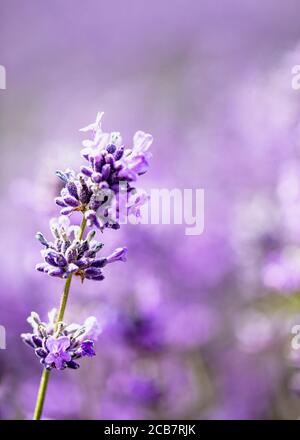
108 176
63 348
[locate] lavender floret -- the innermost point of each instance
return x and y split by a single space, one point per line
59 349
68 254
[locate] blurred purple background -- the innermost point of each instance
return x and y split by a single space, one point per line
193 326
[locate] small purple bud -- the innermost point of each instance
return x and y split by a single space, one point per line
98 278
105 171
72 188
73 365
40 237
109 159
71 254
92 161
82 263
91 218
55 259
87 348
66 211
37 341
118 255
111 148
140 164
50 260
92 272
27 338
96 246
60 202
119 153
71 201
98 162
126 174
84 193
72 268
115 226
90 236
95 202
86 171
84 246
103 185
101 262
40 352
65 245
62 176
56 272
97 177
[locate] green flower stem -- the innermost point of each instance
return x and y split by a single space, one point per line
46 374
41 394
64 300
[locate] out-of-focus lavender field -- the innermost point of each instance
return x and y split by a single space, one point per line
192 326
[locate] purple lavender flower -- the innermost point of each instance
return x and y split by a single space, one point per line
111 169
58 354
108 157
69 254
59 349
87 348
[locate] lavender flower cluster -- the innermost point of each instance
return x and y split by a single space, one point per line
69 254
111 169
62 348
93 192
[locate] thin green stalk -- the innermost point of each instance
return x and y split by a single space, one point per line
41 394
61 312
64 300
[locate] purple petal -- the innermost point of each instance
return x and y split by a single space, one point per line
139 165
119 153
72 188
50 359
60 202
97 177
65 356
63 342
119 254
98 278
73 365
66 211
71 201
40 352
37 341
40 237
101 262
92 272
27 338
87 348
56 272
86 171
105 171
62 176
40 267
52 344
